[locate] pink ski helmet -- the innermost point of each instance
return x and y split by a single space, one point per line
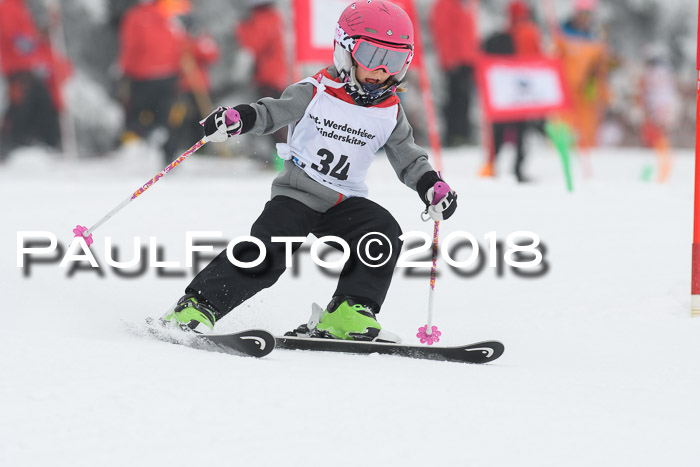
378 35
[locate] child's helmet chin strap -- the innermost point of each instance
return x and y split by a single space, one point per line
362 96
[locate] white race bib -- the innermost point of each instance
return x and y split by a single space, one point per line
335 142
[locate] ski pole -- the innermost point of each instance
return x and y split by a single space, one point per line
81 231
429 334
230 117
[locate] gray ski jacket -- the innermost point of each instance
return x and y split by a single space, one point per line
410 161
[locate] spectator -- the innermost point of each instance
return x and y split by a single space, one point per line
193 102
526 35
34 74
521 39
661 105
454 31
152 41
261 35
584 58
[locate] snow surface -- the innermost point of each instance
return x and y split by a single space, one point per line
602 361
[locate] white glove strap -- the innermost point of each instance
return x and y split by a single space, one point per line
435 210
222 131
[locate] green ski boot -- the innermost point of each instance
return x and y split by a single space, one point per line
190 313
347 319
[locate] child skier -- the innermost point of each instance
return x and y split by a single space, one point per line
337 121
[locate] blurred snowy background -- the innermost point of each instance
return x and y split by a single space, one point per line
631 28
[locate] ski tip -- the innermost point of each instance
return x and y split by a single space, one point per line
261 342
253 342
484 352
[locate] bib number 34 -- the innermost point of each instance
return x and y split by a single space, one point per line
339 170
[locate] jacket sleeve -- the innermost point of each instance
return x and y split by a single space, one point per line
272 114
410 161
128 44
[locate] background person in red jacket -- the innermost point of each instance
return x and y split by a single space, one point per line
527 37
34 73
193 102
261 35
151 49
521 38
454 32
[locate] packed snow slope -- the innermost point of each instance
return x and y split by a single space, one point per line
602 361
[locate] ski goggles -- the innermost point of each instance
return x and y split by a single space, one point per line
373 56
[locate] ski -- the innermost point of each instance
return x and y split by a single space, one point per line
251 342
259 343
480 352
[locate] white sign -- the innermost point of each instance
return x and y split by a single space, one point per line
517 87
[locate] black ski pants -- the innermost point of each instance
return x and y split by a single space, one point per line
226 286
31 116
149 104
457 105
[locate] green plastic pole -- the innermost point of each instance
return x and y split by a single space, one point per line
562 138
